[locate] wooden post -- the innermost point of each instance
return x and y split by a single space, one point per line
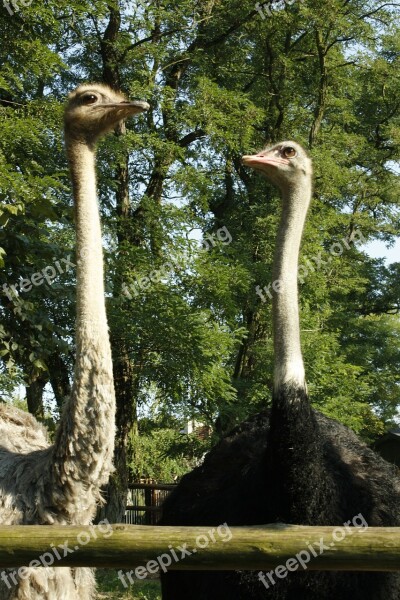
147 501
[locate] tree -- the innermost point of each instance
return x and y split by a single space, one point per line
191 324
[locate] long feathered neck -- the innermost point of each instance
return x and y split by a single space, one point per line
289 367
84 441
90 303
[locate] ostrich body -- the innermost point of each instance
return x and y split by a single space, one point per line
60 483
290 464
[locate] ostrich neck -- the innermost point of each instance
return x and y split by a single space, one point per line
84 442
289 366
90 304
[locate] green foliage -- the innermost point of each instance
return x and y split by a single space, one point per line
10 378
221 81
163 453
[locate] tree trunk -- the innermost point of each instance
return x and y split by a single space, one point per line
116 491
59 379
34 394
322 90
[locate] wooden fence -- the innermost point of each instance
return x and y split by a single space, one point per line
144 502
199 548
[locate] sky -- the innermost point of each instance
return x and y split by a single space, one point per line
378 249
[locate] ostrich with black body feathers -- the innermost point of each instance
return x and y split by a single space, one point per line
290 464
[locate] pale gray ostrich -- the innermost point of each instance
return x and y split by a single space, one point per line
290 464
60 483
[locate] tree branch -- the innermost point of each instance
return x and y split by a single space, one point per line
191 137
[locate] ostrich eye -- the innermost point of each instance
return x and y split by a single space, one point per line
289 152
89 99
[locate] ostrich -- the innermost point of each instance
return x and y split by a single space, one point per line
60 483
289 464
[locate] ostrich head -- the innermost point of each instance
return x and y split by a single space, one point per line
286 164
95 109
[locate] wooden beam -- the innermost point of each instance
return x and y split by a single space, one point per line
203 548
153 486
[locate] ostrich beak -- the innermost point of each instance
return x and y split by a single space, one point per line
257 160
130 108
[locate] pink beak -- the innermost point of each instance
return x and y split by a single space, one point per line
252 160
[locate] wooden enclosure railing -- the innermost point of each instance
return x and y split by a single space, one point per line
144 502
260 547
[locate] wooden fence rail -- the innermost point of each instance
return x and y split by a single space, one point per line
202 548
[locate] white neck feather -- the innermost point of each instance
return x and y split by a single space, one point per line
289 366
90 272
